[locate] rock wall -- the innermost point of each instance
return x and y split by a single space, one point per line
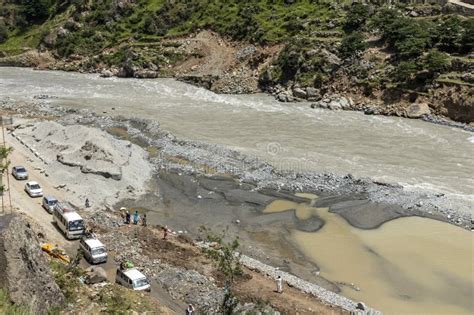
24 268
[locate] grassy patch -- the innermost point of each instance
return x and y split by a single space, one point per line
67 280
7 306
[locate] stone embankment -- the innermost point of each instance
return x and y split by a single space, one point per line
24 269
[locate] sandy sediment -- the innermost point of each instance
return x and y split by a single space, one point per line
87 162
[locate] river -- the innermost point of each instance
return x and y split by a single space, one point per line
290 136
419 155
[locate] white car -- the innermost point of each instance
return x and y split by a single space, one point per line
132 279
33 189
94 251
19 172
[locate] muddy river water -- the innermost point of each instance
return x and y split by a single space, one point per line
409 265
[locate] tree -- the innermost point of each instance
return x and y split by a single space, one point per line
410 38
450 34
468 38
36 10
352 44
356 17
4 163
3 32
383 21
435 62
405 71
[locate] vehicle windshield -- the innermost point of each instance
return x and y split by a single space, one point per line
52 202
35 186
140 283
20 170
76 225
98 251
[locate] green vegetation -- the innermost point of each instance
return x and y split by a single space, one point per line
131 33
227 257
4 163
8 307
352 44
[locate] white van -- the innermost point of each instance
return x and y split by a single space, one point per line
94 251
68 221
132 279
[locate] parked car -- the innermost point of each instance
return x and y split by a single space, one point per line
33 189
94 251
19 172
49 202
132 279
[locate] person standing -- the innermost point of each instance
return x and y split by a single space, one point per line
190 310
88 204
144 219
135 217
127 217
279 284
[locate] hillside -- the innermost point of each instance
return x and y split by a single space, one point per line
382 58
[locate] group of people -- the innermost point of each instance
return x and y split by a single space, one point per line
136 217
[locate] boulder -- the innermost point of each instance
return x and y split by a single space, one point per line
106 74
344 102
334 105
299 93
418 110
95 275
145 74
313 94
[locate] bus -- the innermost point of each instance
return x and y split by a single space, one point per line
68 221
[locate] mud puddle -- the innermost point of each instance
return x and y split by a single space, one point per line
407 266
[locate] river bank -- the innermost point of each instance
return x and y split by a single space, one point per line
204 184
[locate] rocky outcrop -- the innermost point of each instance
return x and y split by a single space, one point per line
24 269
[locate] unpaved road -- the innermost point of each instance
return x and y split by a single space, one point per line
22 202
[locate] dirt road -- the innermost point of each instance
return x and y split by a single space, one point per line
22 202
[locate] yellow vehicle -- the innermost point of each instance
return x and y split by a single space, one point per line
56 252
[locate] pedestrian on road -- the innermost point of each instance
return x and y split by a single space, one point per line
135 217
279 284
87 203
190 310
127 217
144 219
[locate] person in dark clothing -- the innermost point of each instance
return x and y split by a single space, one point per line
144 219
127 217
87 203
190 310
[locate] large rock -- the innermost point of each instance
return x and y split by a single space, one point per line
96 275
24 269
334 105
418 110
145 74
299 93
313 94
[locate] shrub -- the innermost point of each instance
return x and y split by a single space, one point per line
352 44
450 33
405 71
3 32
356 17
435 62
